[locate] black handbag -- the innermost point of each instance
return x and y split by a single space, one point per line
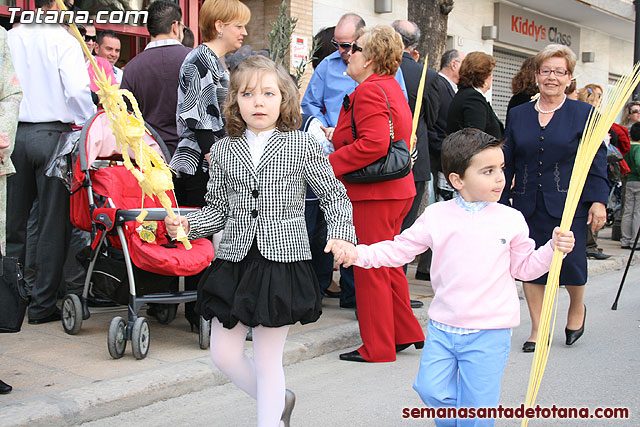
13 296
395 165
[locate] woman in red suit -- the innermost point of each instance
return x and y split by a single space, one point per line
387 323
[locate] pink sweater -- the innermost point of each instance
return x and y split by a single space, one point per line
476 257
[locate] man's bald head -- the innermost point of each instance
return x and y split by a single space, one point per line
346 31
409 32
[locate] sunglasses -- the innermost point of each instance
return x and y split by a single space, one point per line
634 111
346 46
355 48
90 38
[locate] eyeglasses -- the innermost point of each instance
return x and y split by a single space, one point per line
90 38
346 46
355 48
558 73
634 111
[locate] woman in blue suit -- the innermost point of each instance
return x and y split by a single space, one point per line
542 139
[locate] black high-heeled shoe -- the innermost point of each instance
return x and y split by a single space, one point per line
194 323
289 403
417 344
573 335
5 388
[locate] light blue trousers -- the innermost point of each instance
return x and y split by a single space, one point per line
463 371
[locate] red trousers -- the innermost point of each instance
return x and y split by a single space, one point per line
382 294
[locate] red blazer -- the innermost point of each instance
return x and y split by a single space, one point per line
371 117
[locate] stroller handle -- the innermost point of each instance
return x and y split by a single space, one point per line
154 214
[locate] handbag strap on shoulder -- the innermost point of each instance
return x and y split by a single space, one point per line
353 123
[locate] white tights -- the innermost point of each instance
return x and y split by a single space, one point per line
261 377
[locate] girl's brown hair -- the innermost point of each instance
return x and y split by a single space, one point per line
290 117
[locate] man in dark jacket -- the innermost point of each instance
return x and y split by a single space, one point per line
412 72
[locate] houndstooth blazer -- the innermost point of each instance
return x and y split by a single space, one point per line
267 201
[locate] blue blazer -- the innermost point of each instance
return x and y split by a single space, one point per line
542 159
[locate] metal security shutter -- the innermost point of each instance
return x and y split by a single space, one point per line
507 65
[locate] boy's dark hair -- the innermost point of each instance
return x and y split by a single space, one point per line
459 148
634 132
106 33
162 15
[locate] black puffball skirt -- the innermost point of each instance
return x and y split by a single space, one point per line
256 291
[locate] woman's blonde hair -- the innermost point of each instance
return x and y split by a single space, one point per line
227 11
589 94
384 46
556 51
256 66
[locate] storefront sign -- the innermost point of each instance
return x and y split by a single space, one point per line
522 28
299 50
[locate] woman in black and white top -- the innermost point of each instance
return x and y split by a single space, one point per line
202 90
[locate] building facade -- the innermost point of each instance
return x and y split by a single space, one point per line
599 31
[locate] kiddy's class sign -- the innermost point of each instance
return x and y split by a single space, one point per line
527 29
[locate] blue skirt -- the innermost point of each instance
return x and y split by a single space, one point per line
574 265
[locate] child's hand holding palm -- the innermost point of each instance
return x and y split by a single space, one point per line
344 252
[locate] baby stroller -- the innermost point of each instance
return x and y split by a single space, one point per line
128 263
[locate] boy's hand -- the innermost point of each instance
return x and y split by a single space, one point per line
173 223
564 242
344 253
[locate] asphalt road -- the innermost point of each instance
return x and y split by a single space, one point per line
600 370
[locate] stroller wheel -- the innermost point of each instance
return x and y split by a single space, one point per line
71 314
140 338
204 335
116 339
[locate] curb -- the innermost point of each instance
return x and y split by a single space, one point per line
104 399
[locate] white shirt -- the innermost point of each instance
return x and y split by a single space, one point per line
161 42
257 143
453 85
50 66
118 73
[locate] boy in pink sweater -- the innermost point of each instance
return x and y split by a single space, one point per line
479 248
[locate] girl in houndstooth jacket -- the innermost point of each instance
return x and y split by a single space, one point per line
262 277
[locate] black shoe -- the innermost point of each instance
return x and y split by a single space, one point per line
289 403
573 335
5 388
528 347
352 356
53 317
331 294
625 247
417 344
348 305
594 254
416 304
423 276
194 322
100 302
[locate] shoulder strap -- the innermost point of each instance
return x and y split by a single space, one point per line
353 123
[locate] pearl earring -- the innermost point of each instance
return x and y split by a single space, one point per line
364 66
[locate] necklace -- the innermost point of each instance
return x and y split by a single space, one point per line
553 110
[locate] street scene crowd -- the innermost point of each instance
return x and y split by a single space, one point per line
293 186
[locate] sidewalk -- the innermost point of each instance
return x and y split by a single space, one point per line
59 379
